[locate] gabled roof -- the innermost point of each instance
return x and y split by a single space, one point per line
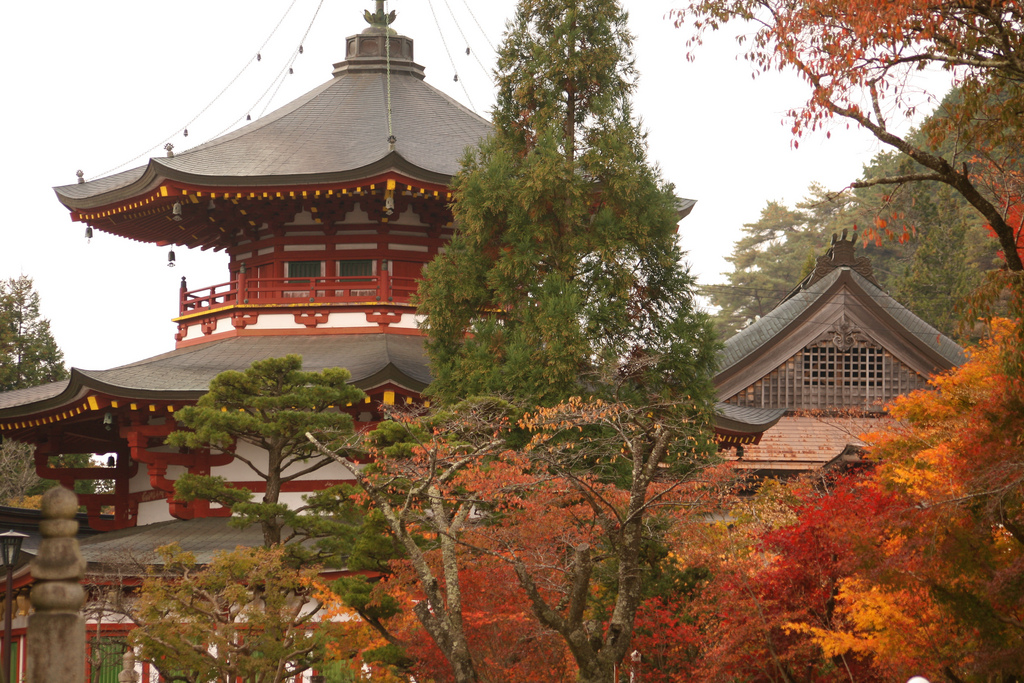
373 360
335 133
839 289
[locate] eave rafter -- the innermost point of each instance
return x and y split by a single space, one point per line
216 217
89 408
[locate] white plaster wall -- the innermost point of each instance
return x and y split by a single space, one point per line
273 321
346 319
195 328
140 482
152 512
407 217
357 215
409 322
239 471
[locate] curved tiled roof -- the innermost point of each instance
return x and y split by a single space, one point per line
746 420
133 548
337 132
373 359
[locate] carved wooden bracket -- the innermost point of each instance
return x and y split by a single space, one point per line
209 325
311 318
241 320
180 334
383 317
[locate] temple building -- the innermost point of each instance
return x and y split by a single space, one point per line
828 357
327 210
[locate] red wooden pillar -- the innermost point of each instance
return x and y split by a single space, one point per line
384 282
241 287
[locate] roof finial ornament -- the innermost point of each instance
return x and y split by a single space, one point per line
379 19
840 254
170 150
81 176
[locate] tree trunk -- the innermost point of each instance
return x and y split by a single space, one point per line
272 527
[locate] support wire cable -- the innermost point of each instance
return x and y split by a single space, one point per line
255 58
291 61
444 42
489 76
481 28
387 59
278 80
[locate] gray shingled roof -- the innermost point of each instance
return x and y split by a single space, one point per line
746 419
186 373
756 335
336 132
134 547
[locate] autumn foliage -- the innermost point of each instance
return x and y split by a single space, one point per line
913 566
865 62
245 615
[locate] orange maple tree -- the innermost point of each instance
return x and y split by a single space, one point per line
863 61
914 567
562 501
958 462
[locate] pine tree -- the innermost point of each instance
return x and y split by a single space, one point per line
29 356
934 255
271 405
565 260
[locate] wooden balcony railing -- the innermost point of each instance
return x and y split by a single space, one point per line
271 291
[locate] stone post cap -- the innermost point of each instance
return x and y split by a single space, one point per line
59 565
128 673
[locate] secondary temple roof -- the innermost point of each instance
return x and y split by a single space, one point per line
838 269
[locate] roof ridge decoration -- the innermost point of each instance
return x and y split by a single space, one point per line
845 334
380 19
840 254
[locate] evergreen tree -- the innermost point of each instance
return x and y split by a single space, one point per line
565 259
766 263
29 356
271 406
563 280
930 252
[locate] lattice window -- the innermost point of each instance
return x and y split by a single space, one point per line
834 372
827 365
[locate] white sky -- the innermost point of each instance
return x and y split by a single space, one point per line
92 83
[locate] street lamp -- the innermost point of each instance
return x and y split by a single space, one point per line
10 547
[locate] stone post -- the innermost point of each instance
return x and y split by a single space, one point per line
56 632
128 673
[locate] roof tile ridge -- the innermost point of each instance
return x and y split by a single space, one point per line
803 298
931 336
